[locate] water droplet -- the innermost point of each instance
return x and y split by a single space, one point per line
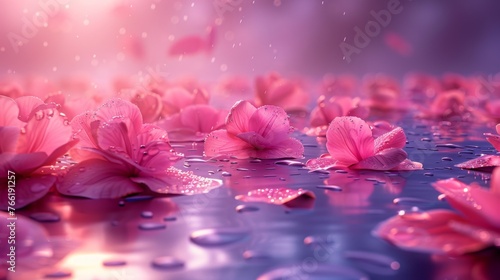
246 208
138 198
45 217
226 174
167 262
330 187
152 226
446 159
170 218
59 274
218 236
451 146
147 214
290 162
114 262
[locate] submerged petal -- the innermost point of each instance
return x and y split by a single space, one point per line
349 140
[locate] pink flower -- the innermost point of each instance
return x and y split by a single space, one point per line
444 231
33 135
176 98
384 94
193 123
254 133
449 105
350 144
275 90
330 108
121 154
485 161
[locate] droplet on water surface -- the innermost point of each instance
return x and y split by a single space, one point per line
167 262
218 236
152 226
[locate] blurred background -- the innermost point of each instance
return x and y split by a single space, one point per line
100 39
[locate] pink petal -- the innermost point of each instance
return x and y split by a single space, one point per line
481 162
289 148
220 142
428 232
271 122
476 203
408 165
44 133
497 128
176 98
384 160
28 190
175 181
237 120
322 163
280 196
9 136
119 110
188 45
495 181
395 138
381 127
95 178
494 140
27 104
200 118
150 105
257 141
10 112
84 130
349 140
22 163
317 118
114 137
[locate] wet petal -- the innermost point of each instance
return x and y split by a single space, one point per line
323 163
175 181
28 190
150 105
44 133
481 162
290 148
27 104
385 160
349 140
200 118
220 142
494 140
9 136
407 165
22 163
271 122
10 112
495 181
115 138
281 196
395 138
475 202
237 120
97 178
119 110
428 232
